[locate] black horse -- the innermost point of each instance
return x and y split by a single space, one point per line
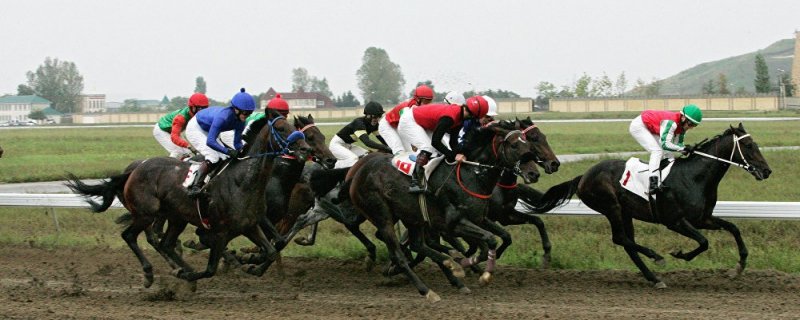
457 201
504 198
686 206
234 200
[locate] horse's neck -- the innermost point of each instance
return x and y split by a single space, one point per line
709 172
507 178
288 174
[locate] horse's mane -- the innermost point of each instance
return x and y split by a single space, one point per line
705 144
255 128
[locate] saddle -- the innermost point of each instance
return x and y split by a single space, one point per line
636 177
406 161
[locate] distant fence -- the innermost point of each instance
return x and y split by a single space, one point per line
761 102
723 209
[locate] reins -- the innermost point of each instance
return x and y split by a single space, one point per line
736 147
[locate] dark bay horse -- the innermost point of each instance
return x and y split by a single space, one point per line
458 201
503 198
234 200
686 206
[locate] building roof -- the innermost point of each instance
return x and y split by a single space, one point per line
49 111
24 99
299 95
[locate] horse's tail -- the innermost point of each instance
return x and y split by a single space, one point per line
107 190
323 181
555 197
125 219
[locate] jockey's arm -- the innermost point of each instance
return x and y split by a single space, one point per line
667 135
213 134
442 127
237 137
178 125
364 138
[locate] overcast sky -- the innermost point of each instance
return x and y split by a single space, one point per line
148 49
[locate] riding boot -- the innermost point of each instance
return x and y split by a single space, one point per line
418 175
199 179
653 184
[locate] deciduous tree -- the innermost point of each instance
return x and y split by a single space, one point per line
380 79
57 81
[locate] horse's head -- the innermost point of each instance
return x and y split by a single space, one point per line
316 140
501 143
543 155
277 136
737 146
527 169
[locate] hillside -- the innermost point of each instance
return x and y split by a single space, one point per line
740 70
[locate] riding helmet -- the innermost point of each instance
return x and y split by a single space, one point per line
373 108
693 113
243 101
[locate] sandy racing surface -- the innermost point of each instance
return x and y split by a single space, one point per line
95 283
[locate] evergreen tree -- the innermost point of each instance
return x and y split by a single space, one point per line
200 85
762 75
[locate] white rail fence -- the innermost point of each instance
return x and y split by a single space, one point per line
724 209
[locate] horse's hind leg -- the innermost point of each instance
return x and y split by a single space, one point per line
168 243
546 245
467 229
714 223
389 237
623 235
130 234
217 243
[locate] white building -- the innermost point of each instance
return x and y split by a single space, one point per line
92 103
17 108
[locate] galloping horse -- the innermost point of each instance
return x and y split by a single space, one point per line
687 204
234 203
458 196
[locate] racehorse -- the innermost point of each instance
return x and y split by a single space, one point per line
503 198
686 206
458 196
233 204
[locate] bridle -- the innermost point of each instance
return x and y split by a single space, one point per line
283 143
736 147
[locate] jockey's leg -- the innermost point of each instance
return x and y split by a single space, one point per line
418 176
199 178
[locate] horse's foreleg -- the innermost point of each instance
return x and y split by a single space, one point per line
730 227
217 243
398 257
166 247
536 221
686 229
371 250
467 229
452 270
256 235
499 231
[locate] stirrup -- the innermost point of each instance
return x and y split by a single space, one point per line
195 191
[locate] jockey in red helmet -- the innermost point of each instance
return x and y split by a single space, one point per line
169 127
425 126
387 126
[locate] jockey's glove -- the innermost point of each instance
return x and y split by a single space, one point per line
233 153
687 149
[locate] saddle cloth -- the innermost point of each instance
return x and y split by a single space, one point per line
636 179
406 161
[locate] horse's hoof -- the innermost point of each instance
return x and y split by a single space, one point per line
249 268
678 254
176 272
546 261
432 296
465 290
455 254
369 264
660 285
485 278
735 272
302 241
148 280
660 262
456 268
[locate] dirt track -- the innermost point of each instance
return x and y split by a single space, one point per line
73 283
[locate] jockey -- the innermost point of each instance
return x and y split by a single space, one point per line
473 124
657 130
275 107
204 129
425 126
455 98
387 126
342 143
167 130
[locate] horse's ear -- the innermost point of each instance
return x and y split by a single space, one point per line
310 118
741 127
529 119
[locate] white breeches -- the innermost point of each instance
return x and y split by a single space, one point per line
650 143
391 136
413 134
165 140
197 137
346 154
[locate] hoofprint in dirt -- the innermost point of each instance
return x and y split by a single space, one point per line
106 283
